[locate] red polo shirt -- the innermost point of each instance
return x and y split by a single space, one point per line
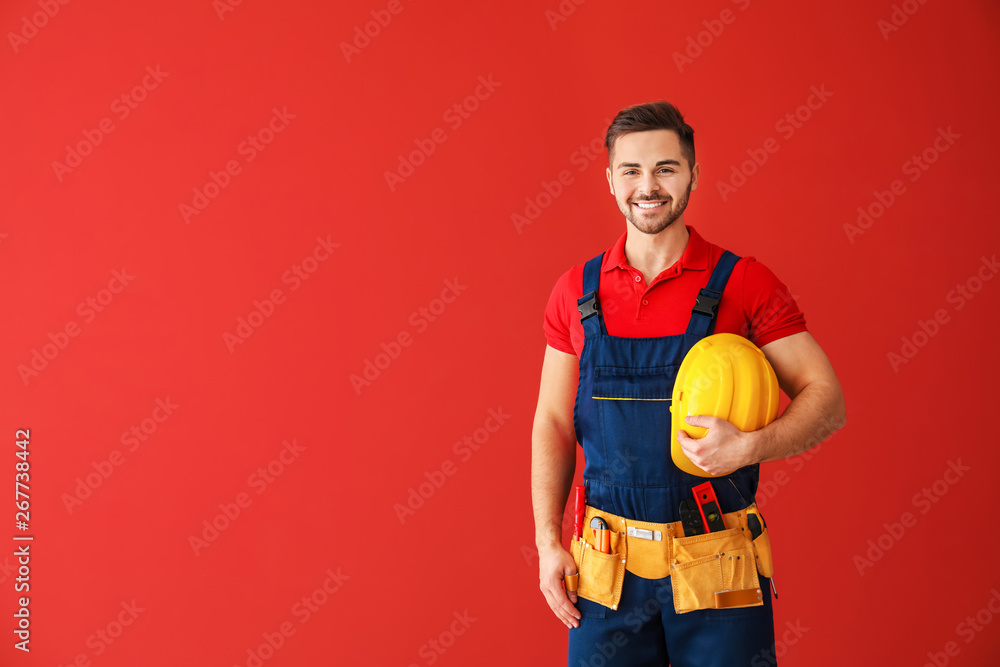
755 304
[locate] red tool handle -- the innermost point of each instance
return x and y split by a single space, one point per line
581 505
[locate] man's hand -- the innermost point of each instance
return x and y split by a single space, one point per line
724 448
553 564
816 411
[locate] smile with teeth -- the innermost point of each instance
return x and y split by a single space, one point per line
647 205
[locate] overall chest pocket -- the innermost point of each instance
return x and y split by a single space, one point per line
633 406
634 384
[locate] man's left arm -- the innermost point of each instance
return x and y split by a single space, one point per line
816 411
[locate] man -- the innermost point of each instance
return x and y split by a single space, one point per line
634 330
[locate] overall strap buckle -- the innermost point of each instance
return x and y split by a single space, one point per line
707 302
706 306
588 305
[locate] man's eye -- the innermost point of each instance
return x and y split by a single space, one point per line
668 171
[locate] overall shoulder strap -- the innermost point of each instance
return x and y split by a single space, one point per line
706 306
591 316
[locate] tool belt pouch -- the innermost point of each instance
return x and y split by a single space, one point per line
762 550
714 571
601 574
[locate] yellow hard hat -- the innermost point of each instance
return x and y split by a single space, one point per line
727 376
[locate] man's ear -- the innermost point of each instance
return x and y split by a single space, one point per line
695 172
611 184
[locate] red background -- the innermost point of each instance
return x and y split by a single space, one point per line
469 548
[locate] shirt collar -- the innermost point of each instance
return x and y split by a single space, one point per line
695 255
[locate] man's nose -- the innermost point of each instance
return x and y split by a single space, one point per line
649 185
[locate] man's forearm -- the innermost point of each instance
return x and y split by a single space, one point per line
812 416
553 463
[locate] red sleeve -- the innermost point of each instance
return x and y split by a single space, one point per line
769 306
557 316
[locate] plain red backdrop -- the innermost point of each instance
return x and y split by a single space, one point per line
556 72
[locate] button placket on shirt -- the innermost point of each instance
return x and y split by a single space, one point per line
640 294
642 301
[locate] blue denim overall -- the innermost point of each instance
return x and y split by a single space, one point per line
622 421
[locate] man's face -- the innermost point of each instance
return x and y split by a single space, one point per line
650 179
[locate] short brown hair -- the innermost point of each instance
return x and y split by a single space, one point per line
651 116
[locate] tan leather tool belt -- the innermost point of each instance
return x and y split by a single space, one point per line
709 571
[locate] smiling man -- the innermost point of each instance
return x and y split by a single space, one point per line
639 587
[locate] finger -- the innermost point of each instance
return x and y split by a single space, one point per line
559 596
572 614
566 615
694 457
690 446
569 607
703 421
563 608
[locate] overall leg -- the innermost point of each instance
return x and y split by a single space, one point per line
742 637
630 636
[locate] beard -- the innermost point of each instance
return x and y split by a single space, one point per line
655 221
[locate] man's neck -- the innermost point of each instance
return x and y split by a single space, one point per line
651 254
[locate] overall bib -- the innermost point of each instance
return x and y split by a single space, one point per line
622 421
